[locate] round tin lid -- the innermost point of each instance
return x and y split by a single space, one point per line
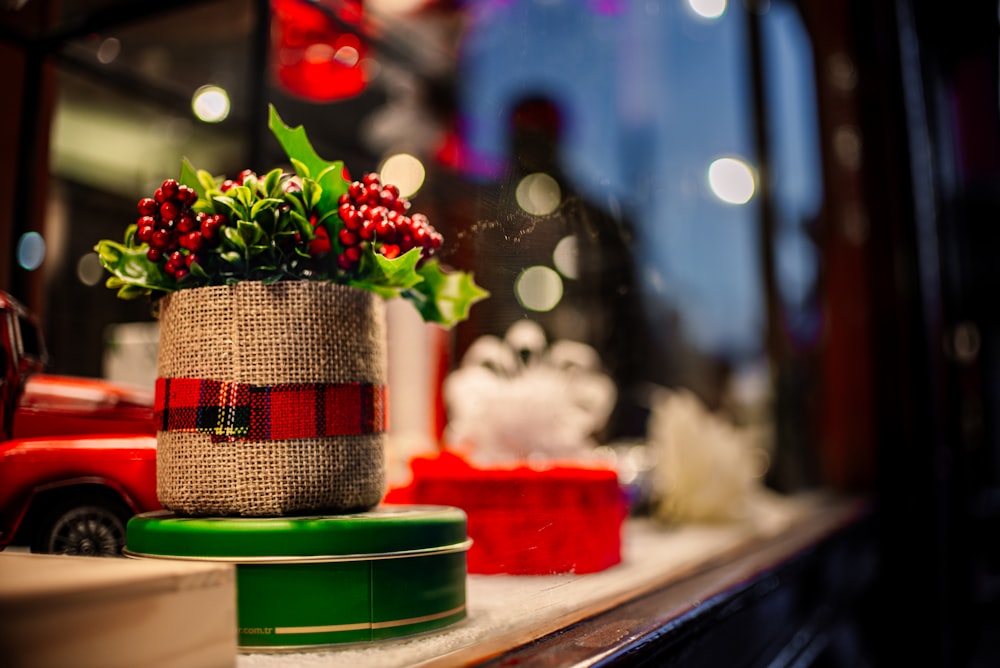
387 531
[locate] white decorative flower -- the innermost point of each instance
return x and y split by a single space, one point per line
707 469
517 399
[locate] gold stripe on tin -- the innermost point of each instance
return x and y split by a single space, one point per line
314 558
334 628
416 620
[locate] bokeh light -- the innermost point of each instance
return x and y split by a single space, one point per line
708 9
404 171
731 180
30 250
210 104
538 288
565 257
108 50
89 270
538 194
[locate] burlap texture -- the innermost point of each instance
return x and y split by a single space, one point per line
287 332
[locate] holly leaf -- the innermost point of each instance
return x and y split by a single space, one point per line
388 277
302 155
444 297
132 272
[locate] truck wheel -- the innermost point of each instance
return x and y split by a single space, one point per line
90 526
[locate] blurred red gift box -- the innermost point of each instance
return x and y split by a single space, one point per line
565 518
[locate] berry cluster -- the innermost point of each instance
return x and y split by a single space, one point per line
175 233
376 214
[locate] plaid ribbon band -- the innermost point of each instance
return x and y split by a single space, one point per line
238 411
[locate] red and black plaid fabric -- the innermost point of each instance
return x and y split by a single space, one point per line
238 411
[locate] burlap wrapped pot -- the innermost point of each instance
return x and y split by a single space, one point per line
270 399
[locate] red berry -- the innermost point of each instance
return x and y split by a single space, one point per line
193 241
356 190
160 239
367 231
159 197
168 211
390 251
181 273
353 253
320 244
186 196
344 199
209 227
344 263
147 206
170 188
353 220
227 185
154 254
373 192
384 230
371 178
185 223
347 237
246 174
144 232
420 235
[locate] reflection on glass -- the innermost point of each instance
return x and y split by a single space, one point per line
796 177
670 287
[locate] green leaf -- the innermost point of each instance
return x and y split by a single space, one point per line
108 252
273 187
132 292
444 297
249 231
300 167
132 268
232 257
268 204
234 237
294 200
303 156
399 272
301 224
198 270
207 182
231 206
189 177
296 144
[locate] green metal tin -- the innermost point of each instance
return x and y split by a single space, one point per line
325 580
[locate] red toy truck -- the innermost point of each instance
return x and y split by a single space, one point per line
77 455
